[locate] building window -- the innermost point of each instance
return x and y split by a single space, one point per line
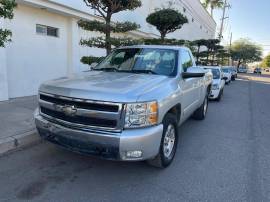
46 30
40 29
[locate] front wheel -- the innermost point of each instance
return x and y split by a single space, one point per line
168 143
200 113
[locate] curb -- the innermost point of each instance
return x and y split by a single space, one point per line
19 141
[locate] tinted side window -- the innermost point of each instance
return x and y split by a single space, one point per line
186 60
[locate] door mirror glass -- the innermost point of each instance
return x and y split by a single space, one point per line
186 61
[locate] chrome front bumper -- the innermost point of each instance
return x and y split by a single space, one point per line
108 145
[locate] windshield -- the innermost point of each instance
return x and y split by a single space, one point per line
138 60
216 73
226 70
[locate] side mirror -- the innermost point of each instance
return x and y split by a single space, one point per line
193 72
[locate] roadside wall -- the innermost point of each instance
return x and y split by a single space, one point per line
3 70
33 58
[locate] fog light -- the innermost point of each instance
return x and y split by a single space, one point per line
134 154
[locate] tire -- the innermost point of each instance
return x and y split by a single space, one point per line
200 113
165 157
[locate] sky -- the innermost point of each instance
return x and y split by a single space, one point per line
247 19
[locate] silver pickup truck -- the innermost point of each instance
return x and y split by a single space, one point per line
128 107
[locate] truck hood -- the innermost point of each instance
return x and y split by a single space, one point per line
105 86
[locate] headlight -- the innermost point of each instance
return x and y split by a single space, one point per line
141 115
215 87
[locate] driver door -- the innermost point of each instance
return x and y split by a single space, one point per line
190 86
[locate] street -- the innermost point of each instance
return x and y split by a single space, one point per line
223 158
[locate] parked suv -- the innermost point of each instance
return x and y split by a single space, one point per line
234 73
218 84
128 107
232 70
228 74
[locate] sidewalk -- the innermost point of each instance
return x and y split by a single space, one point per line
17 128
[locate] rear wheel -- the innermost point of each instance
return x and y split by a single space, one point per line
168 143
200 113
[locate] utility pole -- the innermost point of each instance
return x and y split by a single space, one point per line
226 5
230 58
231 40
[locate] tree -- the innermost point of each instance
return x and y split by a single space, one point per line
213 53
6 12
169 42
213 4
166 21
212 46
266 61
199 43
223 57
88 60
106 9
245 51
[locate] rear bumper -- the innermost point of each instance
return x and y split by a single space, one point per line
106 145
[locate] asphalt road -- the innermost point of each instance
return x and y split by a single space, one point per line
224 158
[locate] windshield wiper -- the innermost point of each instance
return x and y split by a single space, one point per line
110 69
143 71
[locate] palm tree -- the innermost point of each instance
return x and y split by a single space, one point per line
213 4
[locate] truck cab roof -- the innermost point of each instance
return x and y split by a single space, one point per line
158 47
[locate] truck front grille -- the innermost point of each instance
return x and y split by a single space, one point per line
79 119
74 112
80 104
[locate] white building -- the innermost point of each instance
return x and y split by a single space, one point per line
45 41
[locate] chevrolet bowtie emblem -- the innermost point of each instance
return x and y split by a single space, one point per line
69 110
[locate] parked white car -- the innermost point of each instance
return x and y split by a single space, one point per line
218 83
233 71
228 74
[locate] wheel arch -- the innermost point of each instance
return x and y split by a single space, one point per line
176 110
